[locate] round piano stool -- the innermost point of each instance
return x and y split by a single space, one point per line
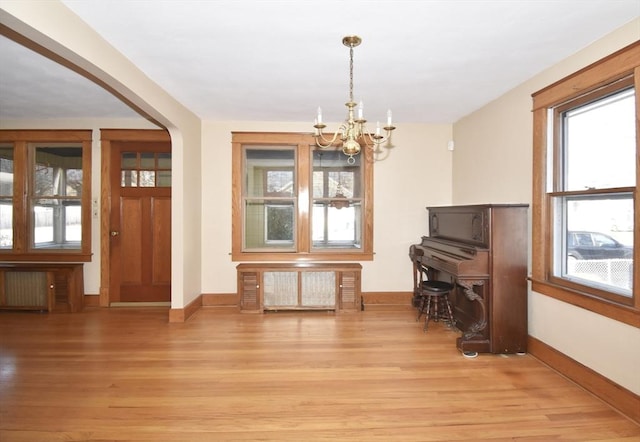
434 302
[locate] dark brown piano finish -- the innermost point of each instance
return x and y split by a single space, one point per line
482 249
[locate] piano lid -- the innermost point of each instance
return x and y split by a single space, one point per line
456 258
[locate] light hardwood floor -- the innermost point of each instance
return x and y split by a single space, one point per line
128 374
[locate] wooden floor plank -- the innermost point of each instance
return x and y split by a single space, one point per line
126 374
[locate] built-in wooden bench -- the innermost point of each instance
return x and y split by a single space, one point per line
53 287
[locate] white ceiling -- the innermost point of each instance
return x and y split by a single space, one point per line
429 61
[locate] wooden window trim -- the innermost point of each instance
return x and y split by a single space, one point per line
623 63
21 250
303 143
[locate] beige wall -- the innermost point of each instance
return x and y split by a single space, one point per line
417 173
492 163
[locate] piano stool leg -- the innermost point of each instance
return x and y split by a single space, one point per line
427 313
448 304
436 308
420 307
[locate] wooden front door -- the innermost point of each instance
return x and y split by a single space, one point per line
140 221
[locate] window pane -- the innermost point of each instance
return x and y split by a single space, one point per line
164 161
279 223
596 241
147 178
74 182
269 172
58 171
6 223
269 224
57 224
6 171
147 160
44 180
128 160
332 175
163 178
129 178
600 143
43 225
73 224
336 226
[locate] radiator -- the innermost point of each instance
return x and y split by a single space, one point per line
26 290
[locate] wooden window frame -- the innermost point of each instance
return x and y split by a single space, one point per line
623 63
22 238
304 145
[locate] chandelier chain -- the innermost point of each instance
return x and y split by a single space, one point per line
351 74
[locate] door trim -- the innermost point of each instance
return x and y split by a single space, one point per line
107 136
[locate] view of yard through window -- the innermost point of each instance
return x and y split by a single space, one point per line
595 225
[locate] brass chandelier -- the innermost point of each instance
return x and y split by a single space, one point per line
353 133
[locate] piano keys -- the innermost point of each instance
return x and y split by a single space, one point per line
482 250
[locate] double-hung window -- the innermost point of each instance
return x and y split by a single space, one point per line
585 188
45 195
294 201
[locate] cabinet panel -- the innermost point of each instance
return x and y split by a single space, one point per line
349 290
248 286
35 286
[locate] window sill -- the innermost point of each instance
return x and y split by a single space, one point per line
619 312
330 255
62 256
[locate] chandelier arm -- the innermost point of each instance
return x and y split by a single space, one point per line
323 143
372 141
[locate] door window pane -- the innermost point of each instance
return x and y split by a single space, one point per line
163 178
129 160
164 160
147 160
147 178
145 169
129 178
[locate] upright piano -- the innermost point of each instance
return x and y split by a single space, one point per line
482 250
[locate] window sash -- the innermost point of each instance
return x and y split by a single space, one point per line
52 170
250 243
612 72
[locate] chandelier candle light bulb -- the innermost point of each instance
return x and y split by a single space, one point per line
352 134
